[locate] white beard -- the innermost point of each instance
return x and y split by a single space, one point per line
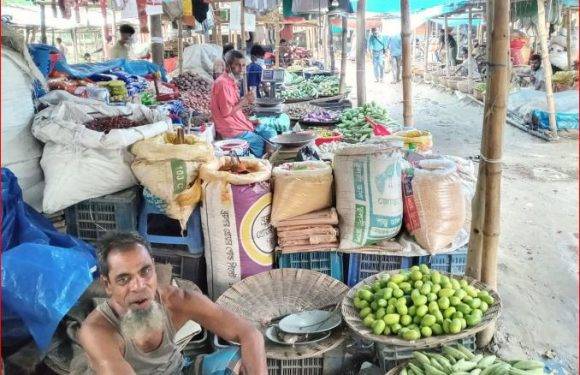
138 323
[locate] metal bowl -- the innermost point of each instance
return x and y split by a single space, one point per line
294 139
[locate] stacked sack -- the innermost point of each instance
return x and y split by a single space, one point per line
301 209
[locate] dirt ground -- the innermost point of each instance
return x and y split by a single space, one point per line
538 264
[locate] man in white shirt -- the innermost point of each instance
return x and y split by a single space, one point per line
538 74
122 49
468 62
60 46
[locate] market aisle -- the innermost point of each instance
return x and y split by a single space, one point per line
538 254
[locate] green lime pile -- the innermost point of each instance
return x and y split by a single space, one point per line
420 303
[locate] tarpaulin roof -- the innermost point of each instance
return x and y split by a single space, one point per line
394 6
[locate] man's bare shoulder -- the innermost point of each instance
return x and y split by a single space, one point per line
174 297
97 326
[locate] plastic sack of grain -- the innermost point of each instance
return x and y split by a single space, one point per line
434 203
170 171
368 194
300 188
235 215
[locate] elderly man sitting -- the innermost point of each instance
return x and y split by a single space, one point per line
226 107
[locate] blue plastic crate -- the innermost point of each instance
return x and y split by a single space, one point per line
89 220
453 263
327 262
363 265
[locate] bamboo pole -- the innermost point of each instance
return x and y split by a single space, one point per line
331 47
469 51
407 61
342 87
360 53
494 120
547 67
277 46
447 53
243 27
569 38
73 34
43 24
156 40
180 45
427 40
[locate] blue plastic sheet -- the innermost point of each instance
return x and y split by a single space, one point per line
44 272
563 120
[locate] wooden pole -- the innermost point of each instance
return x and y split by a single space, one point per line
407 61
360 53
180 45
243 27
569 38
156 40
331 47
492 145
547 67
427 40
43 24
114 26
447 53
343 52
73 34
277 39
469 51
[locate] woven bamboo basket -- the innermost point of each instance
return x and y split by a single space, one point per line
397 370
464 86
273 294
452 82
351 316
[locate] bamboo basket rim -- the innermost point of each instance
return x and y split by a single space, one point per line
352 319
397 370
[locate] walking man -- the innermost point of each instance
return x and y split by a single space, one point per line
377 48
394 46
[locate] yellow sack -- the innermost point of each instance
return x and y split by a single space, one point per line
170 171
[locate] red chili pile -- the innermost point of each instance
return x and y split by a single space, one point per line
106 124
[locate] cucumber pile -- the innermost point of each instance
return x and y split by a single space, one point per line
461 361
420 303
355 128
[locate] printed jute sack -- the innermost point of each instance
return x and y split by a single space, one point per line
434 203
170 171
300 188
239 239
368 194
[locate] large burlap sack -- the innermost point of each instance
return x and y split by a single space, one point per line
80 163
434 203
239 239
368 194
300 188
170 171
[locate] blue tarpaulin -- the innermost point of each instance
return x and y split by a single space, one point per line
44 272
394 6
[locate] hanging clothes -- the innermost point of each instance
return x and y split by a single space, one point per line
309 6
200 8
142 12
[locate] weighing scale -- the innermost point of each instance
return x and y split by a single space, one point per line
272 80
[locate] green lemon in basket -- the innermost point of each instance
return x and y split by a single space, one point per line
463 283
447 324
414 268
433 307
382 302
443 303
475 303
485 297
398 293
463 323
460 294
439 316
435 288
384 280
435 277
391 309
416 275
484 307
437 329
398 278
388 293
417 319
464 308
378 326
376 286
374 306
432 297
387 331
412 334
448 313
368 321
473 319
392 301
455 326
420 300
395 328
380 313
402 309
405 286
426 332
467 300
364 312
391 319
412 310
418 284
402 300
455 284
365 294
446 292
425 289
406 320
424 269
472 291
454 300
428 320
477 312
457 315
421 311
415 293
401 331
394 286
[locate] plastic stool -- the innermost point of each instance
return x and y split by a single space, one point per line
193 240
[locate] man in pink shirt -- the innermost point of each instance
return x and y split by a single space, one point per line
226 107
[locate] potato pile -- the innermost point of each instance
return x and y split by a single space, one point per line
194 91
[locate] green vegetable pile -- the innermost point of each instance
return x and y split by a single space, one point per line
306 90
460 360
330 86
420 303
480 87
353 125
292 79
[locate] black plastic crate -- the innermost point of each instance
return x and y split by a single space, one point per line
184 264
390 356
89 220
